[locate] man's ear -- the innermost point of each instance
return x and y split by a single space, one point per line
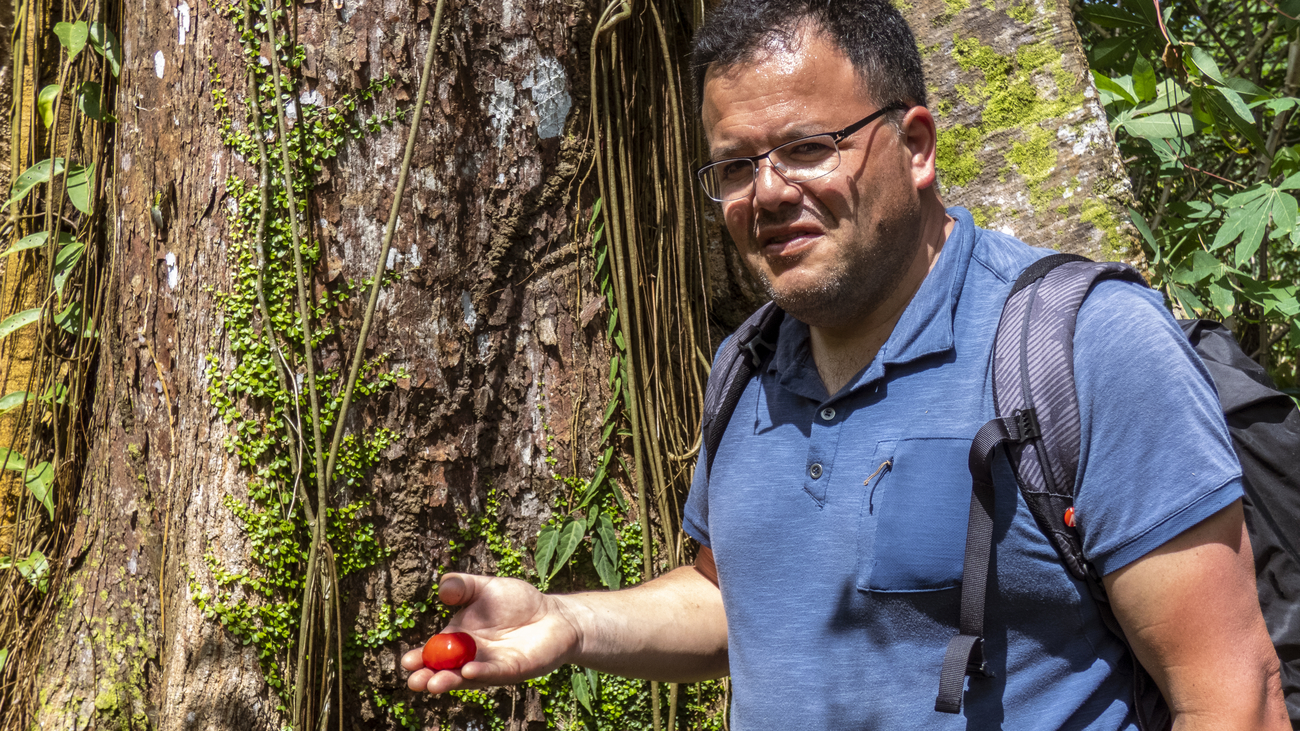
920 137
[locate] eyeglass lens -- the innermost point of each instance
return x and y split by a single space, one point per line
798 162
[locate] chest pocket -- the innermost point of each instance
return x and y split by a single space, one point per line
914 516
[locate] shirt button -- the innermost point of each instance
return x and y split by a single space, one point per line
815 471
828 413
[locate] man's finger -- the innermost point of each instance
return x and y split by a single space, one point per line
459 589
413 660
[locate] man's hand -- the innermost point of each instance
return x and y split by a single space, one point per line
521 633
1191 614
672 628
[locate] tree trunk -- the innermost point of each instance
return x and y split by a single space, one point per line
483 409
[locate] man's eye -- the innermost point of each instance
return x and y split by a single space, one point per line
734 169
808 151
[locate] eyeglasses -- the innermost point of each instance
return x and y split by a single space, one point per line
798 161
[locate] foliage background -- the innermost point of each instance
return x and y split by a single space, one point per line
1201 96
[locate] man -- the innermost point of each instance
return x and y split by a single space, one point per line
836 507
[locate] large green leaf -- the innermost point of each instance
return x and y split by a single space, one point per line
40 482
604 552
1110 17
13 400
1222 298
64 262
571 534
70 319
88 102
19 320
31 177
1228 106
10 459
1107 85
1252 232
72 36
105 44
546 540
1160 126
1285 214
27 242
1144 79
1168 94
81 183
45 103
581 691
1199 60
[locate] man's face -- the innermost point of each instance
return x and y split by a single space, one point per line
833 249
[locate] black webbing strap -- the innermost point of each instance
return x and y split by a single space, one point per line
965 653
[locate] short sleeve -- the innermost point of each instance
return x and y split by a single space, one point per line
1156 457
695 518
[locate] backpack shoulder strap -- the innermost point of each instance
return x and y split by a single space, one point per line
752 345
1038 423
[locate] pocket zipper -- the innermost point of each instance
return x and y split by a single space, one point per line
871 497
883 465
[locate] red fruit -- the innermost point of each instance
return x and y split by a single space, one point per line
449 651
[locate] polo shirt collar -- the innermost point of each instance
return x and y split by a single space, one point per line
925 328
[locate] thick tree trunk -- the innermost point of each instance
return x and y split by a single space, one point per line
1024 142
493 332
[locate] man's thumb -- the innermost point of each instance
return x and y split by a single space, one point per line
459 589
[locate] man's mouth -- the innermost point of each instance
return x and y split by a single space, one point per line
785 243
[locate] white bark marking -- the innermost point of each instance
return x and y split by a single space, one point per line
550 96
182 14
159 64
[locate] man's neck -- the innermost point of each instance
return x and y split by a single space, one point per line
842 352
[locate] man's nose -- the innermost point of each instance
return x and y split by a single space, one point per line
771 189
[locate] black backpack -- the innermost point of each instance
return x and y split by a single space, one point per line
1041 439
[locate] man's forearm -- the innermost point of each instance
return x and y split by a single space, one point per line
671 629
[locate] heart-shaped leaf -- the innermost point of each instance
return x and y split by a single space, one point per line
571 534
64 262
13 400
546 540
28 242
105 44
72 36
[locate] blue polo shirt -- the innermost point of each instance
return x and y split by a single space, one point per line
838 522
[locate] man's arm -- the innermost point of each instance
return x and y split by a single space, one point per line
671 628
1190 612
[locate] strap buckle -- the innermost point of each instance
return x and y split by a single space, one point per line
754 344
976 664
1027 427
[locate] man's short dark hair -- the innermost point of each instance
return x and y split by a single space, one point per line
872 33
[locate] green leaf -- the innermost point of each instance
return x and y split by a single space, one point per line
1110 17
1290 183
27 242
1285 214
1140 224
1189 302
1144 79
45 103
604 552
1252 233
1108 51
1200 61
81 183
105 44
19 320
1106 84
1164 125
1168 94
571 534
609 410
40 482
36 569
1222 298
64 262
580 690
546 539
31 177
12 460
13 400
1206 265
1230 112
70 319
595 212
88 102
4 655
72 36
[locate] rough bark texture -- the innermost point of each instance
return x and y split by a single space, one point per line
1024 142
504 368
484 318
